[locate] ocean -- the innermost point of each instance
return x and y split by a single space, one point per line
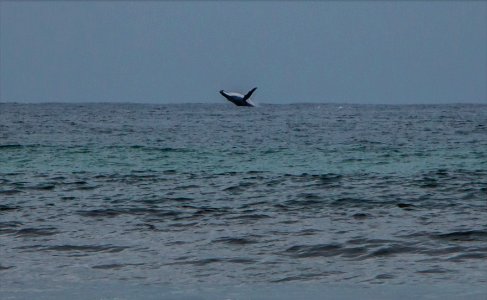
214 201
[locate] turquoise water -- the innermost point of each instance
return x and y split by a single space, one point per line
214 138
206 194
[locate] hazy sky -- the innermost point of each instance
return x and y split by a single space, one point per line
161 52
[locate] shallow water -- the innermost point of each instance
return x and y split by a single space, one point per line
214 194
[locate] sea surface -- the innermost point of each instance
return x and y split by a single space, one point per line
215 195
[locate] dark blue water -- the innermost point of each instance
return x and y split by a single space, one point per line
216 194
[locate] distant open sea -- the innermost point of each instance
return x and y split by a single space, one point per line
213 195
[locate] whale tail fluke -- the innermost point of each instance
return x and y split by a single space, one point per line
247 96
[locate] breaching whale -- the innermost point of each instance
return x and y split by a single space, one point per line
239 99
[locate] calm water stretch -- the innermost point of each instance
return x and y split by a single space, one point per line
216 195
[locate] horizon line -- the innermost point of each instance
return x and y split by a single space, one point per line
259 103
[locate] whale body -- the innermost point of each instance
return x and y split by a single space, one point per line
239 99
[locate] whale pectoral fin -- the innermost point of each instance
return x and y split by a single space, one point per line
247 96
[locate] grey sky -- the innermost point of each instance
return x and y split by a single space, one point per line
161 52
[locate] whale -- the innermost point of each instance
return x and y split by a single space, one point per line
239 99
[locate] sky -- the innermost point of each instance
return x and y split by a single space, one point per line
390 52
